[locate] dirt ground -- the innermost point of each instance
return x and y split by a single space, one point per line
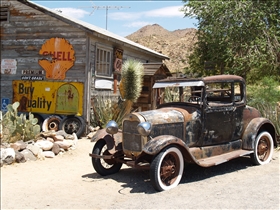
70 182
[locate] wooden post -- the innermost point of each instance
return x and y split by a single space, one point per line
115 83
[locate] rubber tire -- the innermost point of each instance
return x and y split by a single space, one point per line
156 165
51 120
97 163
79 127
269 142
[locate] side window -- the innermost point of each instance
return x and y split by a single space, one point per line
4 14
238 92
192 94
103 61
171 94
219 94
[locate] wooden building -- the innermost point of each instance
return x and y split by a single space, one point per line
152 72
41 47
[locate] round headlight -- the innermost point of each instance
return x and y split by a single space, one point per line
112 127
144 128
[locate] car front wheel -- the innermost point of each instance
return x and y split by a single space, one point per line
166 169
263 149
104 166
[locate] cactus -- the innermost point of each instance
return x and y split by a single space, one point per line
16 127
31 128
106 109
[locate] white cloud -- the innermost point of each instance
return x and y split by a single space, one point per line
173 11
137 24
125 15
73 12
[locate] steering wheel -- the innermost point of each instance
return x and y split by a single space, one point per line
194 99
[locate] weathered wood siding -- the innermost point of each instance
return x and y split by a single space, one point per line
23 36
29 27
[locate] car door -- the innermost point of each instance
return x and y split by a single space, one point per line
218 114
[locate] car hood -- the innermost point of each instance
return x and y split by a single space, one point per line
170 115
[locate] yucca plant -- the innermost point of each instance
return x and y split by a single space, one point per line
130 85
106 109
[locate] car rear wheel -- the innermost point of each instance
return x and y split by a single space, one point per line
104 166
263 149
166 169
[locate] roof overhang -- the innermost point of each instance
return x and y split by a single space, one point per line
92 29
151 69
177 84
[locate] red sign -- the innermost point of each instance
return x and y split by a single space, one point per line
118 60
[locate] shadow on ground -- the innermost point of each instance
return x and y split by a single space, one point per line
139 180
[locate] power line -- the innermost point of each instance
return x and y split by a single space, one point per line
106 8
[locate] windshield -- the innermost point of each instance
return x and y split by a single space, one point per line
186 91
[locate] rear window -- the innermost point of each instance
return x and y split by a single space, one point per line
224 93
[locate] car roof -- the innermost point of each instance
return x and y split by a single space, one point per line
225 78
179 82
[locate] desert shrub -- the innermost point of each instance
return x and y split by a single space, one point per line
16 127
105 107
265 96
265 91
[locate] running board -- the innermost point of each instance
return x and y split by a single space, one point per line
219 159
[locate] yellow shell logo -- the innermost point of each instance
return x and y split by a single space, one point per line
62 58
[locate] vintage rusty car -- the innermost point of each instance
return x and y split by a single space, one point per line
203 121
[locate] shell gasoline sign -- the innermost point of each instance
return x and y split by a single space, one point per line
62 58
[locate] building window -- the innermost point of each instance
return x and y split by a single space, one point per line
103 61
4 14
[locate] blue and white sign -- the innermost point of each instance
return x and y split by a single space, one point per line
4 104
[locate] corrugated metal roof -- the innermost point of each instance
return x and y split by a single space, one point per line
92 28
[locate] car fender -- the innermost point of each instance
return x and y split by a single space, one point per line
158 143
252 130
113 142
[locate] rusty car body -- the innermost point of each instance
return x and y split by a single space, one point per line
203 121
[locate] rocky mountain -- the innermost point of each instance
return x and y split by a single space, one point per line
177 45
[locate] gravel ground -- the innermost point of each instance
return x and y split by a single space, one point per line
70 182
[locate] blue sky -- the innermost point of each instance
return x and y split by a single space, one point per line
124 17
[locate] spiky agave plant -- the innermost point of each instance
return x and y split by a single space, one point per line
130 85
132 79
130 90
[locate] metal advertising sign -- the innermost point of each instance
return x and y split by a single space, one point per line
49 97
59 58
118 60
8 66
32 74
4 104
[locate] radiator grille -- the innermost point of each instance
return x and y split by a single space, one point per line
132 140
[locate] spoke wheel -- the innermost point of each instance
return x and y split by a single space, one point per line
167 169
263 150
104 166
72 124
194 99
